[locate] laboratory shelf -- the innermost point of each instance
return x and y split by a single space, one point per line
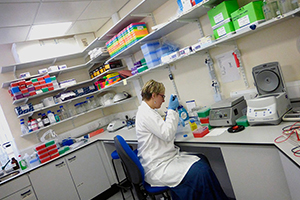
189 16
226 39
78 115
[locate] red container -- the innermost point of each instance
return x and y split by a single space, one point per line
40 147
42 151
52 147
53 151
204 120
44 155
201 132
54 155
45 159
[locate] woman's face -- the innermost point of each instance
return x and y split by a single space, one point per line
159 99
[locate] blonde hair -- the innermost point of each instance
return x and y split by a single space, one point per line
151 87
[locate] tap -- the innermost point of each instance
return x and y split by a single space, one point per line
3 167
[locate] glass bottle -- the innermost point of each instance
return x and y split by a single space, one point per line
34 125
45 120
15 164
40 122
89 105
64 112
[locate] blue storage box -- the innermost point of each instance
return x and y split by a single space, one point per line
149 47
153 63
151 56
162 50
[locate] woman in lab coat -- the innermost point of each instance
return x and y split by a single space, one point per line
188 176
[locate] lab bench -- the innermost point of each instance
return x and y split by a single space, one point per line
248 164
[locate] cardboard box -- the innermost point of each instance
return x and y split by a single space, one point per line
224 30
247 15
220 14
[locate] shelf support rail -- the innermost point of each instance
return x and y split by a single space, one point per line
173 82
214 80
237 56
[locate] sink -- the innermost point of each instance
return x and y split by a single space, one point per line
8 175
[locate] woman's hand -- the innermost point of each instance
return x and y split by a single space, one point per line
173 103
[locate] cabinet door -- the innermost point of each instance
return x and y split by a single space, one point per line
26 193
53 181
88 172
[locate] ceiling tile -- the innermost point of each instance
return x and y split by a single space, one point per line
86 26
11 35
98 9
60 12
17 14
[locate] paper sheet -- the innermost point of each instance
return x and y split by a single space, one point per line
216 131
228 68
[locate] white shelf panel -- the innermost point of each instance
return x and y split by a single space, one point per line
78 115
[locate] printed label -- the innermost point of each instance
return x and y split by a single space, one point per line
221 31
243 21
218 18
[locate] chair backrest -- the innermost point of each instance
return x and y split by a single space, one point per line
132 164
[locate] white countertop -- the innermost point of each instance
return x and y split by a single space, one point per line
255 135
252 135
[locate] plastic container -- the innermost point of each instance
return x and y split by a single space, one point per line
183 114
201 132
204 112
51 117
149 47
24 128
193 124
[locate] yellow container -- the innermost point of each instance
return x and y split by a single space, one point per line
193 124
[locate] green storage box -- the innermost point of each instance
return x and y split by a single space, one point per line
220 14
249 14
204 112
242 121
224 30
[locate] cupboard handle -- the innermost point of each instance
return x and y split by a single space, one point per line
27 193
60 164
72 158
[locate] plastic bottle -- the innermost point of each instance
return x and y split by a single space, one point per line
24 128
15 164
193 124
34 125
51 117
89 105
22 162
3 156
183 114
45 120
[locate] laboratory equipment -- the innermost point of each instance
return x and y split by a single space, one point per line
51 117
225 112
116 125
272 102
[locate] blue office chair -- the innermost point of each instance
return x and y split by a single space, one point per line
135 172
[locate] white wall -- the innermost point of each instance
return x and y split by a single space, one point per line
276 43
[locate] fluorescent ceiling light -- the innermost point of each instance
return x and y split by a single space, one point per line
48 30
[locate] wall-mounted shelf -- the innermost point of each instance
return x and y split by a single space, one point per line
78 115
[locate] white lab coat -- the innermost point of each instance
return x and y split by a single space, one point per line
161 159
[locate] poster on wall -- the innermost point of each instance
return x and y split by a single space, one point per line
228 68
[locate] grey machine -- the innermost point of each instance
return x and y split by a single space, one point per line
272 101
226 112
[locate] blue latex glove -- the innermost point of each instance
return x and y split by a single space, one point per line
173 103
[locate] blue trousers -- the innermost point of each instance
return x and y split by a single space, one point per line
200 183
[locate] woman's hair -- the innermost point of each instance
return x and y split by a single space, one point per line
152 87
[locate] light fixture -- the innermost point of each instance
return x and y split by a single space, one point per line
48 30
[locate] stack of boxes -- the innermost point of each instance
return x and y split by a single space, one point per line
227 17
108 80
250 14
153 52
125 38
203 115
103 68
22 88
220 18
139 66
47 151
